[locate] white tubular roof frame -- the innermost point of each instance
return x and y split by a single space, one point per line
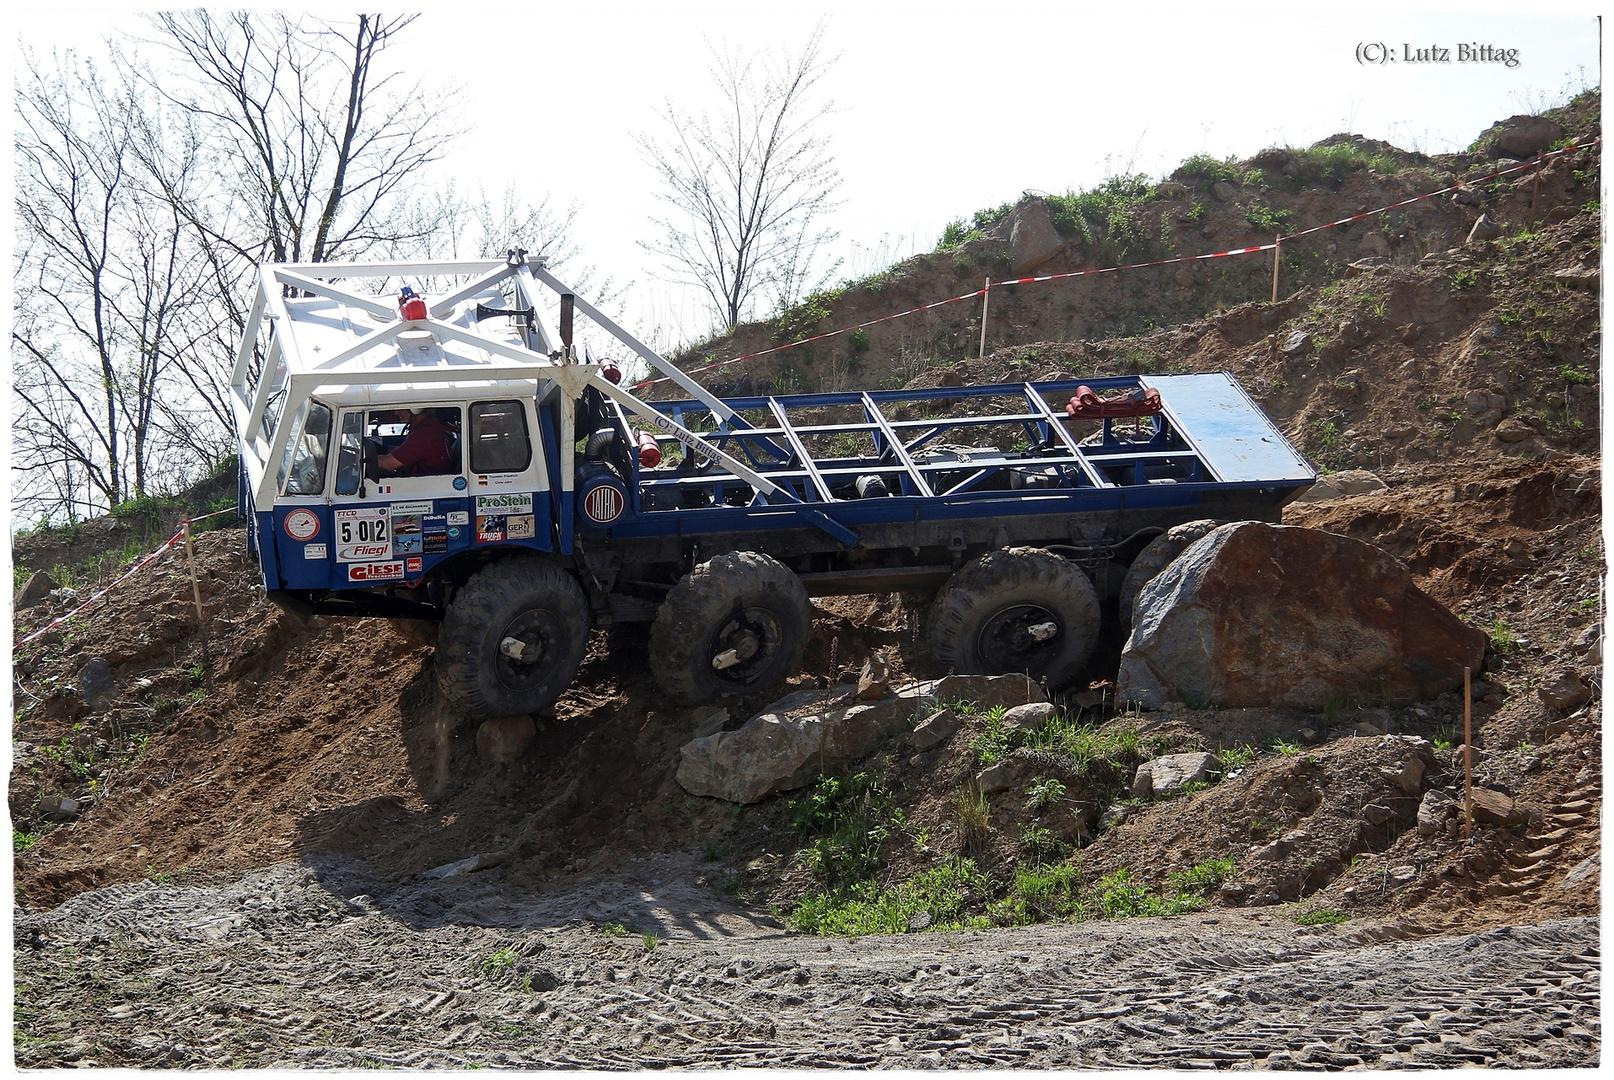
325 345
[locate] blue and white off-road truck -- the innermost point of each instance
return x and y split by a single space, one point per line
446 457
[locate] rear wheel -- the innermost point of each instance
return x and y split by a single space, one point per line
512 640
1014 610
736 624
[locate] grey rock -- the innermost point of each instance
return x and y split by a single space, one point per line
1524 136
1296 342
1579 277
1589 639
95 682
1484 229
997 778
920 920
785 748
1514 430
504 739
1408 776
1377 243
934 730
1224 191
1582 871
36 591
1168 774
988 691
485 861
1400 875
1273 852
711 723
1170 189
872 680
1029 717
1033 240
1377 813
1436 809
1252 615
1565 691
60 807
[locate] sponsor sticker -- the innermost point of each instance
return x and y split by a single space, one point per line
314 551
459 517
453 532
519 527
459 483
489 528
302 525
375 571
512 503
412 566
363 534
424 507
434 543
407 545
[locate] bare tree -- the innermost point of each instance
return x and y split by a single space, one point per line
104 279
146 198
748 187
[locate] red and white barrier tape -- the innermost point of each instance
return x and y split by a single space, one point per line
1130 266
139 565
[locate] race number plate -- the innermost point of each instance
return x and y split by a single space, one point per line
363 535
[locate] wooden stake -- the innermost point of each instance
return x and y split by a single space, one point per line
1468 750
1276 251
985 296
196 590
1535 191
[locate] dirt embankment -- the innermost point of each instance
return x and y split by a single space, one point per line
1467 379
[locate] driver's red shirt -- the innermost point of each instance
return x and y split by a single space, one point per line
424 451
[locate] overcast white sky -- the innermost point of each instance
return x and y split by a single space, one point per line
945 108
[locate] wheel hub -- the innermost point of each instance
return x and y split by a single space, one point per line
1025 637
524 649
744 643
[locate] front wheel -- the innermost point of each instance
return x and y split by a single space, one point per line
1016 610
512 640
736 624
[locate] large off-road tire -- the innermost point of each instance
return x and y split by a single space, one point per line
541 610
1159 554
993 617
735 624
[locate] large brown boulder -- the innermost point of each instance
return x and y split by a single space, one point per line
1272 615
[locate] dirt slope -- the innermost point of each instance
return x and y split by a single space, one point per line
327 741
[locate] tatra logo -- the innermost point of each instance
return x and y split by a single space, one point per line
603 504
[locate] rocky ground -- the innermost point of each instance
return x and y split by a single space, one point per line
245 872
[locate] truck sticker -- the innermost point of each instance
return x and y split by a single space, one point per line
363 535
424 507
375 571
302 525
489 528
504 504
314 551
459 517
519 527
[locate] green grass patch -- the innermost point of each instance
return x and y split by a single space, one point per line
1122 897
943 893
1321 917
846 821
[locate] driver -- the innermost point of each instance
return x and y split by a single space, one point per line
424 451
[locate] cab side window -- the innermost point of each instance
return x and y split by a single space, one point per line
499 441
